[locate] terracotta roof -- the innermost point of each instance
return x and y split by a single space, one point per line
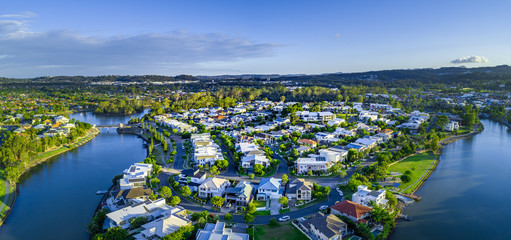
352 209
308 141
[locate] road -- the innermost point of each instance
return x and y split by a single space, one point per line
331 200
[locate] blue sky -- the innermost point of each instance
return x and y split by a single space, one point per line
39 38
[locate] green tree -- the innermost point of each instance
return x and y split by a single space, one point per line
392 199
248 218
165 192
251 176
175 200
251 208
228 217
115 233
183 233
185 190
259 169
285 178
138 222
283 200
405 178
214 170
217 201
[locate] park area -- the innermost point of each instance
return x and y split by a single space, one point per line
418 165
286 231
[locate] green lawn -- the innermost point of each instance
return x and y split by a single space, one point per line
259 204
421 162
285 231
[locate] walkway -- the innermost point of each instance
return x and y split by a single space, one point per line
5 201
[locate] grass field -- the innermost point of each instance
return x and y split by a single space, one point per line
259 204
285 231
421 162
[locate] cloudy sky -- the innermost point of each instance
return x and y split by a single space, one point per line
40 38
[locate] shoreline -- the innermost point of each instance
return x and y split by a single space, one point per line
442 144
56 152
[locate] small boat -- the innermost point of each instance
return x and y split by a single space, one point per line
101 192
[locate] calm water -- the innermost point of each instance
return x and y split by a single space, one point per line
57 198
468 196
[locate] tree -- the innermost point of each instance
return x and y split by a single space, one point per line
251 176
309 173
295 153
182 233
441 121
405 178
214 170
392 199
282 98
217 201
259 169
228 217
185 190
285 178
138 222
352 155
251 208
155 182
248 218
165 192
115 233
283 200
175 200
434 142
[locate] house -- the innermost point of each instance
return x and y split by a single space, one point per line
452 126
300 190
279 134
61 119
135 176
205 150
239 195
365 196
123 198
192 178
218 231
266 138
367 142
159 228
334 154
322 136
356 146
312 163
213 187
353 211
269 188
303 149
326 116
327 227
150 209
310 143
249 161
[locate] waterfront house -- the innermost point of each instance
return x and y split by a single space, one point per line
218 231
171 221
327 227
353 211
123 198
135 176
213 187
150 209
365 196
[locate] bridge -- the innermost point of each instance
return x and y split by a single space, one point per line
109 126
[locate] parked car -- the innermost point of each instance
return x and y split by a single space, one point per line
324 207
301 219
284 218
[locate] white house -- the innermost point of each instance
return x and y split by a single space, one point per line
452 126
152 210
213 187
249 161
135 176
218 231
334 154
316 163
364 196
269 188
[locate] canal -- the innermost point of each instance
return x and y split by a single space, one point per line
468 196
57 198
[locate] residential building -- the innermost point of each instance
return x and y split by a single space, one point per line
269 188
248 162
213 187
365 196
123 198
218 231
169 223
327 227
353 211
135 176
299 189
239 195
334 154
205 150
452 126
150 209
316 163
310 143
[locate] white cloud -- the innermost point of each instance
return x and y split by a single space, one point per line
21 15
338 35
471 59
68 53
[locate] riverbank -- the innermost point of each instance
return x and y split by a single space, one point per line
41 158
444 142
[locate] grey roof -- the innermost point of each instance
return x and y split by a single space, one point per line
329 225
219 232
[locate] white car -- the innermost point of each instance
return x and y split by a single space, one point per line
324 207
301 219
284 218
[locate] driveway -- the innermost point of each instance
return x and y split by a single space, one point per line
274 206
178 160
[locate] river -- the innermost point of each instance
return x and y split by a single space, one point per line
468 195
57 198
